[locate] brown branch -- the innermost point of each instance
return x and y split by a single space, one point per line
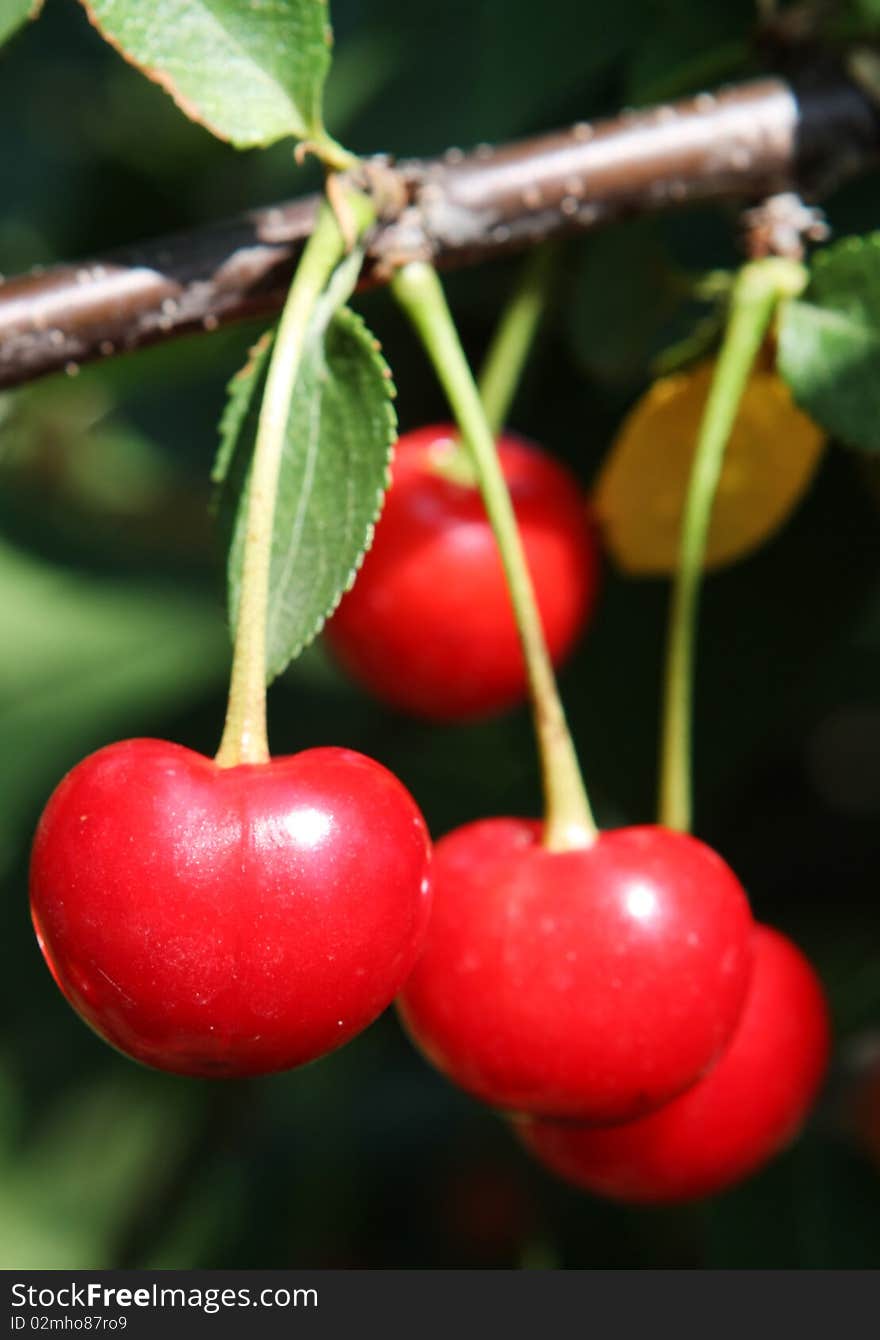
741 144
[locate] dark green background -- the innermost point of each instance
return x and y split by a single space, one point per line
111 624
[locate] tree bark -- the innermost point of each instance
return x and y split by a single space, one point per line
742 144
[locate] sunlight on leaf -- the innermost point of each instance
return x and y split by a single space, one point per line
252 73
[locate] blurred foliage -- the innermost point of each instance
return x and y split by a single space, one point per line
250 83
111 624
631 304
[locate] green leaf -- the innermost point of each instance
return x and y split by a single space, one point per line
252 73
829 342
15 13
333 475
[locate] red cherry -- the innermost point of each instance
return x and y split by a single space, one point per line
428 625
736 1119
229 921
593 984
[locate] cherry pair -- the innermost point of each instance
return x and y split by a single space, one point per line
652 1043
729 1124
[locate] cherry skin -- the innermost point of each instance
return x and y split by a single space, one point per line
428 625
593 984
735 1120
229 921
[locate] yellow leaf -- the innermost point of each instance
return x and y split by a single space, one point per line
771 458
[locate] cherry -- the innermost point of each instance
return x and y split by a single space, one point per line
593 984
229 921
428 626
730 1123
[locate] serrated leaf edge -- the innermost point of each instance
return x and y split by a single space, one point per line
847 245
357 321
249 369
298 131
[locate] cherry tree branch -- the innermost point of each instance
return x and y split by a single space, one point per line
744 144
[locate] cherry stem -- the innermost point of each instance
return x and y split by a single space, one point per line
245 737
505 359
568 818
758 288
330 152
514 336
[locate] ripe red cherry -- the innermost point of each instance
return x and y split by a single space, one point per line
229 921
730 1123
428 625
593 984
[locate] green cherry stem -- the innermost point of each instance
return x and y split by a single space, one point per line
245 738
569 821
758 288
513 339
332 154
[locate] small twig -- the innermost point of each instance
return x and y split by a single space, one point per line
743 144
